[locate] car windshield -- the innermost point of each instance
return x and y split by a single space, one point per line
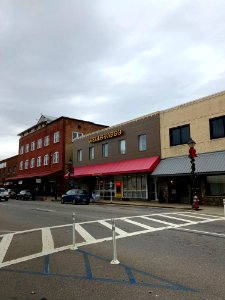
24 192
76 191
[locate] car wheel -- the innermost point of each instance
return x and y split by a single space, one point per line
6 199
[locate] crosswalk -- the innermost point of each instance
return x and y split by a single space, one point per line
54 239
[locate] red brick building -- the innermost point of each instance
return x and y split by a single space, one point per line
44 152
8 168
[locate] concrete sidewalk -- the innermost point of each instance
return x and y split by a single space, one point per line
203 209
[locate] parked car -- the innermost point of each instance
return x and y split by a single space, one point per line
12 193
25 195
75 196
4 195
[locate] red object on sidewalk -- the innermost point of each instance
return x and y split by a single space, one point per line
196 203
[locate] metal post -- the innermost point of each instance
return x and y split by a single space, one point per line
224 206
110 185
115 260
74 247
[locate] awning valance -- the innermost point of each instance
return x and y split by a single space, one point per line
30 175
139 165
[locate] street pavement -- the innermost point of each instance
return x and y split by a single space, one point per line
164 251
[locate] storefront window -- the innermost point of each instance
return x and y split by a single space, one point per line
134 186
105 186
216 185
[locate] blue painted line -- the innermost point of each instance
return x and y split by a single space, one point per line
130 275
87 266
46 264
163 283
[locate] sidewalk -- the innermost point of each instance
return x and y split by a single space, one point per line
204 209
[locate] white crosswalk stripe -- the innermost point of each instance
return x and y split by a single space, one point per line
4 245
48 245
159 221
47 240
117 230
140 224
87 236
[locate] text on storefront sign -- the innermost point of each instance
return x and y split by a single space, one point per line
106 136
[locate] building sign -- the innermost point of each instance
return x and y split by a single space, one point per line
106 136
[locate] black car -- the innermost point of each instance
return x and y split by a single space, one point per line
25 195
75 196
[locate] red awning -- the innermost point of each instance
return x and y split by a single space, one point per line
30 175
139 165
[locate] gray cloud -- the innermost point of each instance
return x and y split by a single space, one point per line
131 56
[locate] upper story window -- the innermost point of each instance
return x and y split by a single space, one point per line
105 150
56 137
55 157
32 146
26 164
76 134
39 161
179 135
217 127
46 159
142 142
21 165
46 140
39 144
27 146
79 155
21 149
122 146
32 163
91 152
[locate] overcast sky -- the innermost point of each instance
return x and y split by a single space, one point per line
105 61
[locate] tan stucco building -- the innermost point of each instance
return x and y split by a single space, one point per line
204 121
197 114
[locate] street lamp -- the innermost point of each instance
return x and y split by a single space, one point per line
192 155
70 166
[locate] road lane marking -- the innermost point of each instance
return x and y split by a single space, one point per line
117 230
4 245
140 224
213 216
48 244
158 221
86 235
42 209
201 232
175 218
47 240
196 217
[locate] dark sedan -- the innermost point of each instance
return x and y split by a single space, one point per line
25 195
75 196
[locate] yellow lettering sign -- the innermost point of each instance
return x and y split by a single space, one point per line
106 136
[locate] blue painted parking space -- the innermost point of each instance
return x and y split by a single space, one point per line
131 275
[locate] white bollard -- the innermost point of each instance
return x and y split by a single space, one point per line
115 260
74 247
224 206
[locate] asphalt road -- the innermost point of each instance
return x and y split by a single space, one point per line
163 253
